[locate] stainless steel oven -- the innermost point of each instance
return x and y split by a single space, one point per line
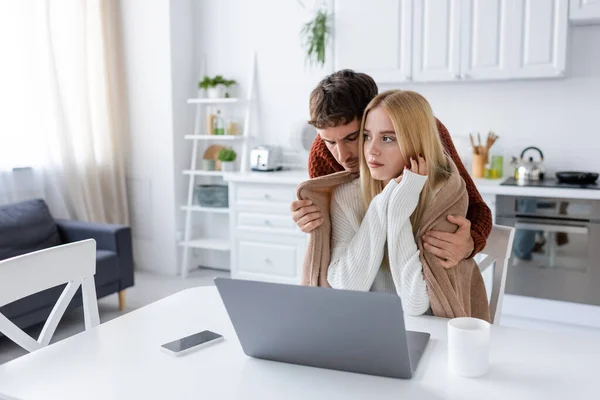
556 251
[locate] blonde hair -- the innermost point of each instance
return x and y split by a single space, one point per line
416 132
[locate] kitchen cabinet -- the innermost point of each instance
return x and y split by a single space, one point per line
364 27
584 11
452 40
268 257
266 244
486 36
436 40
499 39
540 44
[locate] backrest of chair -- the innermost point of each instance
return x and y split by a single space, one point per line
21 276
497 250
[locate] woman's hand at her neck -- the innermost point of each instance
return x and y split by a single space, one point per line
417 166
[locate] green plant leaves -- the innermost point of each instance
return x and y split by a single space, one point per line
205 83
227 154
316 35
208 82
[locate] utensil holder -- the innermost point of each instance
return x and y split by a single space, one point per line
478 163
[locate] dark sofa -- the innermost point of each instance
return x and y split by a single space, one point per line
28 226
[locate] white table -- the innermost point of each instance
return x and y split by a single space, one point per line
121 360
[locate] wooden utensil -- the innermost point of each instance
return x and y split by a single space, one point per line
475 148
491 139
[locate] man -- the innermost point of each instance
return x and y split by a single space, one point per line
336 108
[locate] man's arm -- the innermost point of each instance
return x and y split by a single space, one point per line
478 213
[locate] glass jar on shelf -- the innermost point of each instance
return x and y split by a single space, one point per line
219 124
232 126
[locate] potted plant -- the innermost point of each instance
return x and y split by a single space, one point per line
316 34
224 84
216 87
227 157
207 83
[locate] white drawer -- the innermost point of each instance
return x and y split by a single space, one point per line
266 222
266 193
267 258
270 198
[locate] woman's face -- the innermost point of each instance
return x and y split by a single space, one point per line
381 150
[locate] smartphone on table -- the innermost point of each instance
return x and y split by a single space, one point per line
191 343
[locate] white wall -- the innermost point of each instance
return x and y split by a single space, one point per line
145 28
184 79
186 70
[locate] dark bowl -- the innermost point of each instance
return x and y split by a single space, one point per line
576 177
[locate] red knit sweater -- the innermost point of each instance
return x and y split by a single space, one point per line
321 162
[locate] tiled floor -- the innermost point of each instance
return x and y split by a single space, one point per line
150 288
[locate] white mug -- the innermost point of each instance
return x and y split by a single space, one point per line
468 346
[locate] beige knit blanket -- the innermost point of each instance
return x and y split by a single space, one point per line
454 292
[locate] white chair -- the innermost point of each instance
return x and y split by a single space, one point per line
21 276
497 251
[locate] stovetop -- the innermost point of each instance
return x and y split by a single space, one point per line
550 183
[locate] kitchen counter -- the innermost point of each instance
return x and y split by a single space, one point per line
485 186
493 187
285 177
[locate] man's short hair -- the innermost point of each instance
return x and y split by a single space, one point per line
340 98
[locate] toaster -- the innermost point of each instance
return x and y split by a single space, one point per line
265 158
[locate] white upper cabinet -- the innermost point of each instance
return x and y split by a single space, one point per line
452 40
436 39
584 11
374 36
485 39
540 29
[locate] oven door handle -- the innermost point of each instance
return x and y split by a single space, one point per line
551 228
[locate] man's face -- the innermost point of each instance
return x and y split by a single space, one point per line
342 142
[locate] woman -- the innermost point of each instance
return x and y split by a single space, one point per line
400 196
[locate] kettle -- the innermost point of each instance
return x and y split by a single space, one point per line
529 170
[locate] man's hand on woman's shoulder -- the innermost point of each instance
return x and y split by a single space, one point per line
307 216
451 248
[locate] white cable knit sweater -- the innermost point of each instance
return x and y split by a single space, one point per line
358 247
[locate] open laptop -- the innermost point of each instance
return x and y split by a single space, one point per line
335 329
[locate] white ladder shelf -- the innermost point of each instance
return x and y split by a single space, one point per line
190 208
